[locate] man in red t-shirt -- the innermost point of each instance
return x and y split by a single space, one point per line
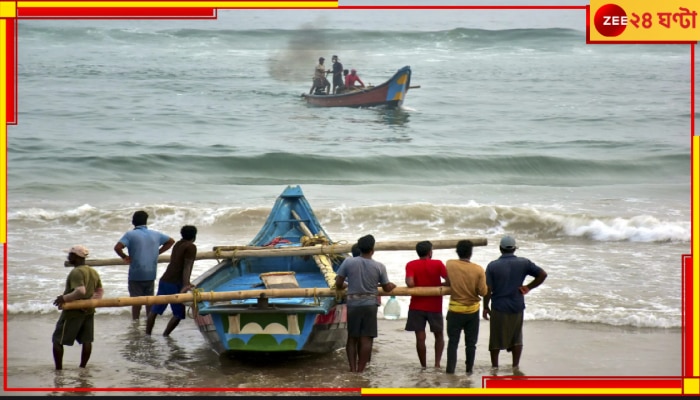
351 79
426 272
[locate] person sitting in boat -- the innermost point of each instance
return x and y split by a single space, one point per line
351 79
320 82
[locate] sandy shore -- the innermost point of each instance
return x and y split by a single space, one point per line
125 358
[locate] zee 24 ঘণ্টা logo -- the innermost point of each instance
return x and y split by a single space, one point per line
611 20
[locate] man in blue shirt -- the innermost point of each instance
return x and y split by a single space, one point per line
363 276
504 280
144 245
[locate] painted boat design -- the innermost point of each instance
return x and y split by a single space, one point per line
390 94
294 324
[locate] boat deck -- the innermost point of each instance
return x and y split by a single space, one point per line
253 282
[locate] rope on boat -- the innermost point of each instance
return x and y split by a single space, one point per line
324 263
196 297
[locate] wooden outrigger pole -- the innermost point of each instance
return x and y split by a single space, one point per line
198 296
234 252
223 252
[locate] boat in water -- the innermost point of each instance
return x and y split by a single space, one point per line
389 94
275 324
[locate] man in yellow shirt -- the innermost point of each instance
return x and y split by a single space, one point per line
468 284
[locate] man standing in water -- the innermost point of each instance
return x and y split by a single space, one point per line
468 284
176 279
83 283
363 275
144 245
504 279
426 309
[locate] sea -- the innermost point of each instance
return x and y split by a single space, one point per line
516 127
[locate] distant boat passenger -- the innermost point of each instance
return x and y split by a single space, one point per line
320 82
351 79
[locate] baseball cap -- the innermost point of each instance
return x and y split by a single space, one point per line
79 250
508 242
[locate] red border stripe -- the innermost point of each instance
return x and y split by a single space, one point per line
11 71
114 12
583 382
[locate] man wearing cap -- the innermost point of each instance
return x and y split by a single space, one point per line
337 74
83 283
505 290
320 81
144 245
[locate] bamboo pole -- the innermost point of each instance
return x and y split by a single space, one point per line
245 294
222 252
325 265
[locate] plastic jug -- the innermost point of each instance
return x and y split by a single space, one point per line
392 309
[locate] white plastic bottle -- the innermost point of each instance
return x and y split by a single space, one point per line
392 309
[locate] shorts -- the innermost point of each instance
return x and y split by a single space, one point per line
417 318
166 288
321 82
338 81
76 327
362 321
141 288
506 330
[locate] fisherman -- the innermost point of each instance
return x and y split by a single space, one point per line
320 83
83 283
337 74
351 79
363 276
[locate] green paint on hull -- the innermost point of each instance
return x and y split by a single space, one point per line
263 343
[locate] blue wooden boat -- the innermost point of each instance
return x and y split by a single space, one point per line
276 324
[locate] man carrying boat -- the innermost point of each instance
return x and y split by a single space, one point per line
83 283
176 279
363 275
425 271
144 246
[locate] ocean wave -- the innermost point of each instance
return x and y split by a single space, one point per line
399 220
619 317
304 38
341 36
525 169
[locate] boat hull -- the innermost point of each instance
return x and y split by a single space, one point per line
275 332
261 324
390 94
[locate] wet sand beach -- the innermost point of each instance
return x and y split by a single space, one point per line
125 358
